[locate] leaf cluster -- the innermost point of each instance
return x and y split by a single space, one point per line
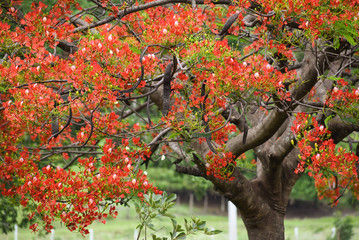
158 206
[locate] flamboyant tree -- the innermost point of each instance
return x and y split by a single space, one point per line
90 92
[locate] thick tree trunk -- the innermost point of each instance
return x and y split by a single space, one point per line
263 213
269 228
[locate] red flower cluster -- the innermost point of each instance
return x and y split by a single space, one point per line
75 107
344 100
323 160
39 95
220 165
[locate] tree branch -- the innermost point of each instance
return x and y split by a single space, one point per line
138 8
189 170
264 130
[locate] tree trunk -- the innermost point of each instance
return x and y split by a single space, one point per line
205 203
269 228
191 200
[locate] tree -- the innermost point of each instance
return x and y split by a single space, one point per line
90 93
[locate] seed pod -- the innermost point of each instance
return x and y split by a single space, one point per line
54 126
67 124
205 123
229 23
55 123
244 128
167 78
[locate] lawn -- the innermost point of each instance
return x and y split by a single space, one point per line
124 226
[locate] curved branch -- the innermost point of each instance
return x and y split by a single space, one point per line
141 7
264 130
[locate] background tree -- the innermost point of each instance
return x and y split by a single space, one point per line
89 93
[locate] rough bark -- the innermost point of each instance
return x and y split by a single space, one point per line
270 227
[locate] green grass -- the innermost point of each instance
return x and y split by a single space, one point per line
122 228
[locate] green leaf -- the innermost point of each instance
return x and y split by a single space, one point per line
182 235
201 225
137 207
333 78
151 226
326 121
102 142
147 197
213 232
135 50
171 197
349 38
168 215
186 225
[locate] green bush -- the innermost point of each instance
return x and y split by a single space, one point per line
158 206
344 227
